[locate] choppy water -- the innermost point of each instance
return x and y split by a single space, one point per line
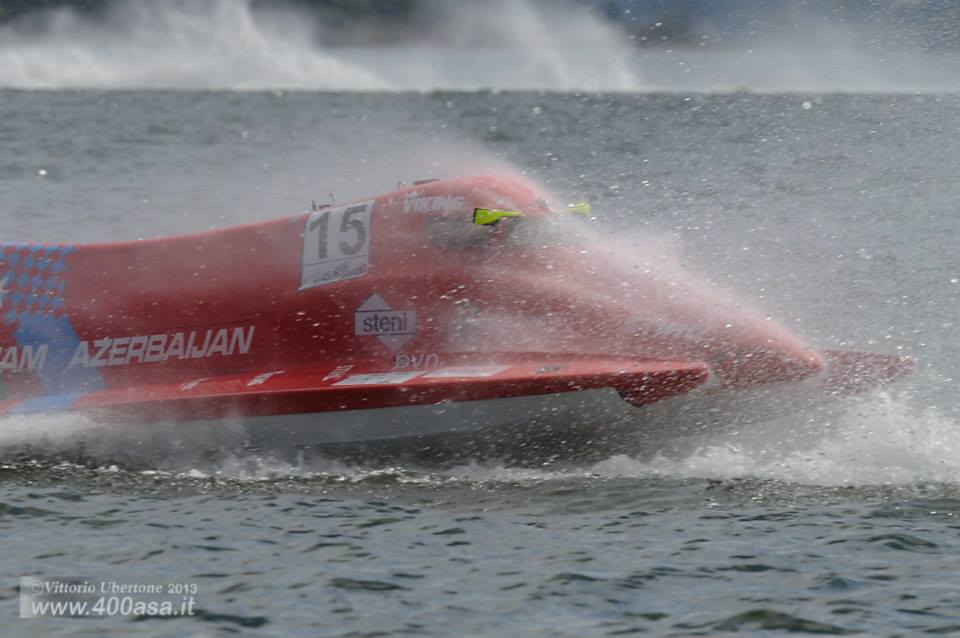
835 212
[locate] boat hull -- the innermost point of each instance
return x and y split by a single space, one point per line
468 307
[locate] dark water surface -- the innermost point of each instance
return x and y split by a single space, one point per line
836 213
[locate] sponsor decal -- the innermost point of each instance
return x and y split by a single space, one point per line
378 378
338 372
416 361
193 383
375 318
35 278
260 379
121 351
413 202
336 245
465 372
18 359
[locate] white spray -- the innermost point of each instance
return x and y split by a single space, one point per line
226 44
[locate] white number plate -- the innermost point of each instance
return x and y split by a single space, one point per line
336 245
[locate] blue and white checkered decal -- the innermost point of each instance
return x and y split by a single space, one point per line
33 278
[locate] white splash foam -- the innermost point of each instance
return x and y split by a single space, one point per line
52 433
266 467
202 44
877 440
163 45
497 44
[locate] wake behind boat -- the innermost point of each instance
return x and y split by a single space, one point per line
471 307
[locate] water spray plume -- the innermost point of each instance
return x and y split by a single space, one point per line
228 44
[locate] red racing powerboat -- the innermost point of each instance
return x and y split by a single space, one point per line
469 306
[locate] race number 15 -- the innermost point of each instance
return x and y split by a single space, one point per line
336 245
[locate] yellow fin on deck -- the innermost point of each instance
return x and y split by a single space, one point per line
487 216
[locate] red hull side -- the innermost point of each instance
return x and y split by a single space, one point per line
270 318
